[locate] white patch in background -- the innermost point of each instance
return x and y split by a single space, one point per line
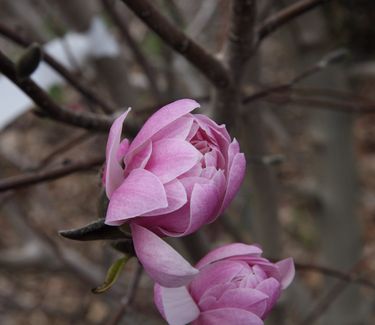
96 42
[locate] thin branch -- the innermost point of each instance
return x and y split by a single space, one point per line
207 64
337 289
28 179
40 97
65 146
347 277
68 76
137 52
286 15
323 63
127 301
318 103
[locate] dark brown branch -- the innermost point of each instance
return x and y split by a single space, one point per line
286 15
348 277
28 179
208 65
241 36
137 53
47 105
68 76
240 46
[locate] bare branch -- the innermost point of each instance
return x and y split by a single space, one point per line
325 61
241 36
239 49
348 277
40 97
137 53
28 179
69 77
207 64
286 15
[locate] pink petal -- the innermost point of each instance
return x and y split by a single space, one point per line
219 128
176 196
172 157
179 129
113 171
233 150
121 152
139 157
228 251
287 271
162 118
140 192
171 224
178 306
235 178
203 205
244 298
272 288
228 316
217 273
161 262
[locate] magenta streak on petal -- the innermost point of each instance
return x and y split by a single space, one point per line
113 170
161 262
162 118
139 193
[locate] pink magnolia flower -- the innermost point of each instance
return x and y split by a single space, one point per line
233 285
178 174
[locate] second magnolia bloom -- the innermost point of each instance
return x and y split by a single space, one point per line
234 285
179 173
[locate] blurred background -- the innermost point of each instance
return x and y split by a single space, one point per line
305 120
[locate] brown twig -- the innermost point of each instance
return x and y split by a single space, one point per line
127 301
318 103
207 64
68 76
40 97
28 179
335 291
347 277
137 52
59 149
325 61
286 15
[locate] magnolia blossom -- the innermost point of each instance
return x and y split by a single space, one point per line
178 174
234 285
